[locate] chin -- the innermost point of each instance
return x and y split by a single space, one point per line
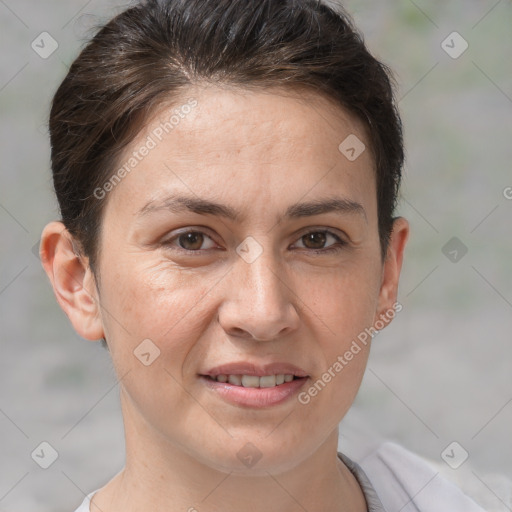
258 457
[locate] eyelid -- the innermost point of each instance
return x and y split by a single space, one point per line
324 229
189 229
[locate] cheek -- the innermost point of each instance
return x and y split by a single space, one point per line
341 307
165 306
342 311
153 302
340 302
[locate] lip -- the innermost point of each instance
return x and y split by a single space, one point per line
254 397
259 370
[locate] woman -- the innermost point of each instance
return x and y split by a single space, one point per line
227 174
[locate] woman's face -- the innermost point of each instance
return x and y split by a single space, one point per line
269 276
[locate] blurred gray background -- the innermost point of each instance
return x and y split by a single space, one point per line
441 372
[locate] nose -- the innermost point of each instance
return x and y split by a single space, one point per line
259 304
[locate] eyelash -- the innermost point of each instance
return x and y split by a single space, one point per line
340 245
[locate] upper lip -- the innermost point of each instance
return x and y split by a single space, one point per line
259 370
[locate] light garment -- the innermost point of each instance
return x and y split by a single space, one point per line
404 482
394 479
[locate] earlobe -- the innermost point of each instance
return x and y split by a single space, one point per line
72 281
391 269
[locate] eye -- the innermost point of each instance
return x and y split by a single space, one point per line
194 241
191 241
316 240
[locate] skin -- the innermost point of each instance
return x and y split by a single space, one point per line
259 153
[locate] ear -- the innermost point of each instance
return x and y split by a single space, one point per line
391 271
72 281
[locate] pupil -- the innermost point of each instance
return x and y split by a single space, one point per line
193 239
316 238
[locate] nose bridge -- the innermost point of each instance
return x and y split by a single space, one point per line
258 301
264 283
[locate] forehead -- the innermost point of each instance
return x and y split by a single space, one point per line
217 141
242 118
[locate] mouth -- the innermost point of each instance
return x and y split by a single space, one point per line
250 385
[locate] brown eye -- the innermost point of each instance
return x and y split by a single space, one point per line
192 241
315 241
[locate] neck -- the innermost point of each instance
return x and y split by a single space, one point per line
162 477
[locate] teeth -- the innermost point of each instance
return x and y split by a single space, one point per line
250 381
253 381
235 379
268 381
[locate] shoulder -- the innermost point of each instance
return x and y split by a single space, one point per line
405 480
85 505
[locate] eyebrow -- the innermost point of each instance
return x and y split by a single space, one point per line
178 204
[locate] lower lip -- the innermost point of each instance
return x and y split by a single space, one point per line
255 397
